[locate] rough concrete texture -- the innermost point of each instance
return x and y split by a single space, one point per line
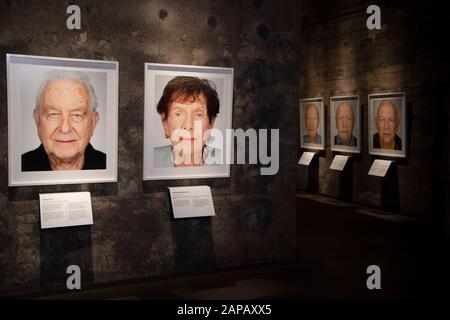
132 235
341 56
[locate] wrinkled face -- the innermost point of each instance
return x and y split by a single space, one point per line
386 122
344 121
312 120
64 119
182 117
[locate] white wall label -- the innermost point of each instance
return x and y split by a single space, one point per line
65 209
189 202
306 158
339 163
379 168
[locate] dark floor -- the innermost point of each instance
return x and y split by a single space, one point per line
336 243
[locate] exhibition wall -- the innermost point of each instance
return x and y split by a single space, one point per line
133 237
341 56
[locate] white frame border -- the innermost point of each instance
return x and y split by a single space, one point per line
146 172
37 178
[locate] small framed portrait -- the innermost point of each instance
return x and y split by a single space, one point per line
188 110
345 124
387 124
62 120
312 131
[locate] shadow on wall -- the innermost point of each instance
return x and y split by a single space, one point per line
62 247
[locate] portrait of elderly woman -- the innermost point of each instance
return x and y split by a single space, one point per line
187 118
188 110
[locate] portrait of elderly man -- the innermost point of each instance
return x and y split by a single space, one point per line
387 123
65 115
345 121
188 109
312 121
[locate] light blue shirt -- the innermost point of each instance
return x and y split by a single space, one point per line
338 142
318 139
162 156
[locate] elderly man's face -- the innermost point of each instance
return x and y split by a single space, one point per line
312 120
64 119
386 122
187 114
344 121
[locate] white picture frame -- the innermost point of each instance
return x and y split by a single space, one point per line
26 76
339 127
317 103
397 100
156 78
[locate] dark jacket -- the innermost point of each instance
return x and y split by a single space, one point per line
376 142
37 160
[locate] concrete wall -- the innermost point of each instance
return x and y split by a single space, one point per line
132 236
340 56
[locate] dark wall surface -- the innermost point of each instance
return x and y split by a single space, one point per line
132 235
343 57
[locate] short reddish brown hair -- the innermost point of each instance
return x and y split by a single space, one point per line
189 87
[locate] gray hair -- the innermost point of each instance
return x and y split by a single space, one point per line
72 75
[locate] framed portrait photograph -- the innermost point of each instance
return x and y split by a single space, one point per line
387 124
312 119
345 124
62 120
188 110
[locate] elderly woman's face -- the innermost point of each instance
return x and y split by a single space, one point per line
187 121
